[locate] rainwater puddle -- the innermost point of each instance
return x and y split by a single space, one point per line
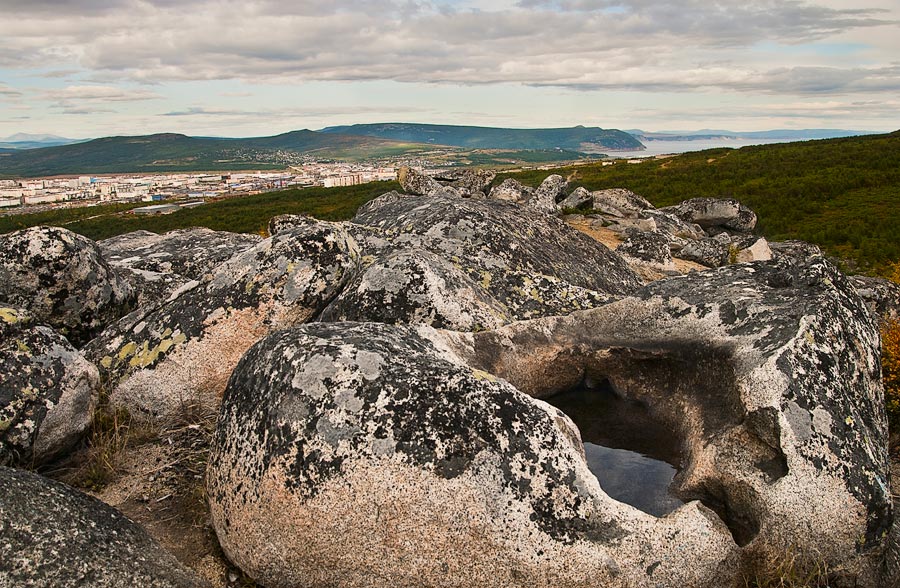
634 456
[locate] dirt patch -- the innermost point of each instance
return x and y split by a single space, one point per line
158 481
609 238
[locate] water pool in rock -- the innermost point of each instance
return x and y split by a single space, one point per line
634 456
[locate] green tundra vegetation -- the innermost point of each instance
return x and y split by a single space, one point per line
244 214
841 194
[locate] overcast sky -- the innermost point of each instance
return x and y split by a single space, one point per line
90 68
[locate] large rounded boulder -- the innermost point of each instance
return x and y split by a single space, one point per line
52 536
770 374
47 391
532 264
181 352
62 279
351 454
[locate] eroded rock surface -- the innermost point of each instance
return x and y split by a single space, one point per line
183 351
715 212
47 391
61 279
530 263
52 536
191 253
360 455
770 372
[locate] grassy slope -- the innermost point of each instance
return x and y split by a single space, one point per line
842 194
246 214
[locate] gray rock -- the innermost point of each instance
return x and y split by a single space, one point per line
620 202
191 253
415 286
882 296
415 182
545 197
469 182
649 249
56 537
674 227
530 263
285 222
346 448
511 190
62 280
799 250
579 199
708 252
633 223
770 373
715 212
47 391
182 352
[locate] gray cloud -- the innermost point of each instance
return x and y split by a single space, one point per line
579 44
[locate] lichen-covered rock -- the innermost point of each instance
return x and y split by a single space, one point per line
415 182
52 536
47 391
708 252
191 253
579 199
415 286
62 280
532 264
359 455
511 190
882 296
647 248
620 202
769 371
674 227
184 350
715 212
469 182
799 250
545 197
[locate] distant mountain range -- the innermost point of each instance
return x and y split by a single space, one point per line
773 135
29 141
580 139
175 152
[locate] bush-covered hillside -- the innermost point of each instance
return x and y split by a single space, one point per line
842 194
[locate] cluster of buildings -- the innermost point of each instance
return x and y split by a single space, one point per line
180 186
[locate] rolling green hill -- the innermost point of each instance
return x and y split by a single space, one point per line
841 194
579 139
173 152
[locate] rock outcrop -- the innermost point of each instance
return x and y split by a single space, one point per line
361 455
62 280
770 373
47 391
161 359
726 213
54 536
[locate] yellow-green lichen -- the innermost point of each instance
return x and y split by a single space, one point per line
128 349
20 345
482 375
9 316
106 362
